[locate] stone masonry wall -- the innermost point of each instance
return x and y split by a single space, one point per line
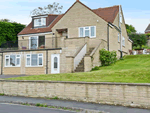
137 95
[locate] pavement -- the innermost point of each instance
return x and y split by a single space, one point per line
12 108
11 76
74 104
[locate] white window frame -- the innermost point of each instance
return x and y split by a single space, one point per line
30 41
89 31
37 40
42 22
37 60
16 57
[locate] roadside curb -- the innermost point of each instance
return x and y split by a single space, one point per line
81 110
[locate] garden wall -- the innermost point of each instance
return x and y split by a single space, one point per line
137 95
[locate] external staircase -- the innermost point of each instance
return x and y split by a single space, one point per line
80 67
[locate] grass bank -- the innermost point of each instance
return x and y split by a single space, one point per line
133 69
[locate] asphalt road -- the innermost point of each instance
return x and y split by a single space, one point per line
74 104
11 108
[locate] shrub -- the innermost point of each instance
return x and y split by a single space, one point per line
95 68
107 57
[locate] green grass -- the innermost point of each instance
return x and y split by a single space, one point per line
133 69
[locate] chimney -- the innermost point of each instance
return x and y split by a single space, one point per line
77 0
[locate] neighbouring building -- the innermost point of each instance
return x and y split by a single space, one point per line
146 32
67 43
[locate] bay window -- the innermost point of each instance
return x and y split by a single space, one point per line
87 31
12 60
34 60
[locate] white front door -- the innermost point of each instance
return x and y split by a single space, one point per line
55 63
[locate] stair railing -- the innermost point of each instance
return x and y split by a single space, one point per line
79 55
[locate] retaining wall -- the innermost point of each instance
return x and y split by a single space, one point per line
136 95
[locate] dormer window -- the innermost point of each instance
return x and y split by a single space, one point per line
39 22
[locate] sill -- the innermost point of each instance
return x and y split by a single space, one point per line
33 66
118 42
123 46
13 66
39 27
92 37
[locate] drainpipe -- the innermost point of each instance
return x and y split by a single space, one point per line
2 64
108 36
120 33
46 61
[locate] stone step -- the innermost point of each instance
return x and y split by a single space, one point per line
80 67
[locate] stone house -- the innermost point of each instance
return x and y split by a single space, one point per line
146 32
67 43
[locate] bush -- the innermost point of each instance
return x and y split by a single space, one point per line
107 57
95 68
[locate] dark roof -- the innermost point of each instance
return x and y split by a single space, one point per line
147 29
108 14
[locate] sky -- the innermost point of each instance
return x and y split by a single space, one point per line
136 13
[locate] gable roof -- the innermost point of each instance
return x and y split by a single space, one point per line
108 14
147 29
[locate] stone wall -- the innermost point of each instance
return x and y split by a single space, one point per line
136 95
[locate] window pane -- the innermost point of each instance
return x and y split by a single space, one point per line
18 55
81 32
40 61
92 31
12 60
18 61
28 61
41 41
55 62
87 28
87 33
34 59
40 55
28 55
34 43
44 21
7 62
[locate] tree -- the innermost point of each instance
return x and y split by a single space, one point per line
138 39
5 20
130 29
8 32
49 9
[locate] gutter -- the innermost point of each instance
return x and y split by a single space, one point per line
130 40
33 34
